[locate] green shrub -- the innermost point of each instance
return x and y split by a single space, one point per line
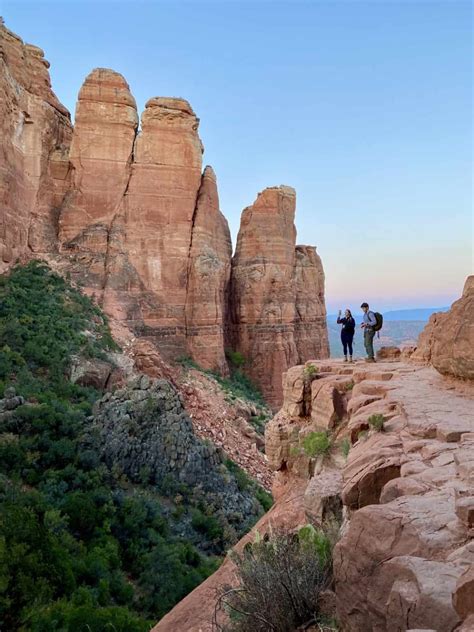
235 358
259 423
242 479
187 362
310 371
376 421
316 444
208 525
264 498
345 447
311 538
239 385
349 386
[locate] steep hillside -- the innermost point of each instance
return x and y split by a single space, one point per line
112 509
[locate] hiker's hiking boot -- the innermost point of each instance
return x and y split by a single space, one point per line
370 359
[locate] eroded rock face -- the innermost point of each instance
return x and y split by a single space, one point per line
101 153
208 278
262 289
447 342
158 214
310 333
277 293
35 135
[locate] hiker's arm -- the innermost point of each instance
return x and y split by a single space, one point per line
372 319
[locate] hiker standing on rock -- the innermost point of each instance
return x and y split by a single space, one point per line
347 332
369 325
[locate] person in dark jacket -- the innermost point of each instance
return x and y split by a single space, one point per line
347 332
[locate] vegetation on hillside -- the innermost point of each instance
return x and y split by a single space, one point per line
81 548
237 385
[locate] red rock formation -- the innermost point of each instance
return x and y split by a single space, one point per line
262 289
447 341
133 220
277 293
208 278
408 492
101 152
158 211
36 133
310 334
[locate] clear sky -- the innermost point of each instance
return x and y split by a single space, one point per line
364 107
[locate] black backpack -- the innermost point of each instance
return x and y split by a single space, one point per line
379 324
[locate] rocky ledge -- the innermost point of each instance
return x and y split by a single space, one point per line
404 496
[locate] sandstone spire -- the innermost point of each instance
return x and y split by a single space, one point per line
158 214
262 289
208 278
101 153
277 293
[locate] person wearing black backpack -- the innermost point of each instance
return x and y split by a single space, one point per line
372 322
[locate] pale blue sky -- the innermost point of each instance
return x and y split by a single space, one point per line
364 107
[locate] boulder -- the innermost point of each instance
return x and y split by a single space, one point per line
371 464
90 372
322 499
421 526
409 592
448 339
388 354
327 406
463 597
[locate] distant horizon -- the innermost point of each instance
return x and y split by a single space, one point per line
364 108
379 307
403 309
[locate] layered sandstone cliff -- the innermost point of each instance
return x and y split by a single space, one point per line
34 165
447 342
129 215
278 315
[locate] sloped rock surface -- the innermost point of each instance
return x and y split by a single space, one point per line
447 342
405 492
